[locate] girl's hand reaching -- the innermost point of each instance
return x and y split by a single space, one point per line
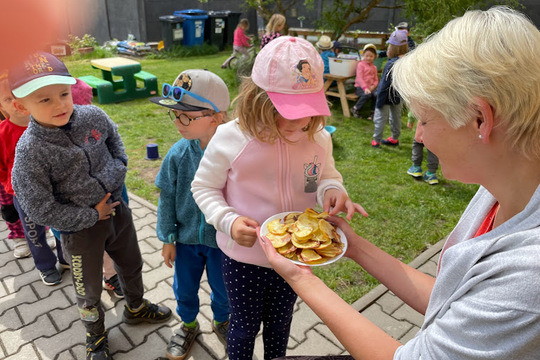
243 231
336 201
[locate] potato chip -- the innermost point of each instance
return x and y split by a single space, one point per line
279 240
309 255
276 227
290 218
330 251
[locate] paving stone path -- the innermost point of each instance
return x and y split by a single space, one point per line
41 322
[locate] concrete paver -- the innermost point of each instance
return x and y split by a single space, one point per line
41 322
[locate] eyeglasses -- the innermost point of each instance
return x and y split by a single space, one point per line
177 93
183 118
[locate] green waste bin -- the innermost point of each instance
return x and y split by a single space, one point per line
172 31
214 29
231 21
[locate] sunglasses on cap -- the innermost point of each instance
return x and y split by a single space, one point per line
177 93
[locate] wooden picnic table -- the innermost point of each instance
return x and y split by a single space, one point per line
341 94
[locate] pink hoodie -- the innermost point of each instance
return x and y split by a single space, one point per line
239 175
366 75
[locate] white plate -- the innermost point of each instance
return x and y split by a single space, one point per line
264 231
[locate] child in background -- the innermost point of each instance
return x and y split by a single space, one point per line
198 101
69 170
35 236
337 48
9 213
325 47
273 158
418 155
14 225
240 41
388 105
275 25
366 81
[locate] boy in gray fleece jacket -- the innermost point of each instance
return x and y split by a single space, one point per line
69 169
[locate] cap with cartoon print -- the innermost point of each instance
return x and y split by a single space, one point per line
290 70
194 90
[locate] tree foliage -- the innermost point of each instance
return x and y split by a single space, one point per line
431 15
426 16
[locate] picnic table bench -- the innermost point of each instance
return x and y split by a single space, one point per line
111 90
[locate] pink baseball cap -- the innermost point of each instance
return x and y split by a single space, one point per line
290 70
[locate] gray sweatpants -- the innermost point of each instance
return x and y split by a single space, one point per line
381 117
418 156
84 252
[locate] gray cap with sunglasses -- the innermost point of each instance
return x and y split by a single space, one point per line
195 90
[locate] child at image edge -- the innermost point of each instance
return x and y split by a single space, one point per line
275 157
198 101
69 170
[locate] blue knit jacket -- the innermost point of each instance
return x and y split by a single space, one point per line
179 217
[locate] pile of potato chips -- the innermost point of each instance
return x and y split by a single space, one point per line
306 237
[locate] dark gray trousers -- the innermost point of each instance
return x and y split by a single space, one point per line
84 252
418 156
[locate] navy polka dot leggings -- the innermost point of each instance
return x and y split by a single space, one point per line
257 294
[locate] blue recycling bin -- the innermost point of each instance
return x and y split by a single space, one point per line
193 26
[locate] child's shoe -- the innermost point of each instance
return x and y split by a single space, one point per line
431 178
375 144
51 277
221 330
390 141
113 284
21 249
97 347
148 312
354 112
181 342
415 171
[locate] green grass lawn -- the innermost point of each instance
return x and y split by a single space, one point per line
406 215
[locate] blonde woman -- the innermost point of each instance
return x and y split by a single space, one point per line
275 25
474 88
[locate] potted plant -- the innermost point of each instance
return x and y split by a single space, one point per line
83 45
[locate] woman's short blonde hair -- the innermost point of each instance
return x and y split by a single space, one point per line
275 22
493 55
257 116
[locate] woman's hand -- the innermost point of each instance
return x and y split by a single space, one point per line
169 254
350 234
284 267
336 201
243 231
105 209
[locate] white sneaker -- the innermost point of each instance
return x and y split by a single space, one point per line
21 249
51 240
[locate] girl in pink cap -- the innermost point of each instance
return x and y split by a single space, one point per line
274 157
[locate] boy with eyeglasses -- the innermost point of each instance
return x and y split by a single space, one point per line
198 101
69 170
